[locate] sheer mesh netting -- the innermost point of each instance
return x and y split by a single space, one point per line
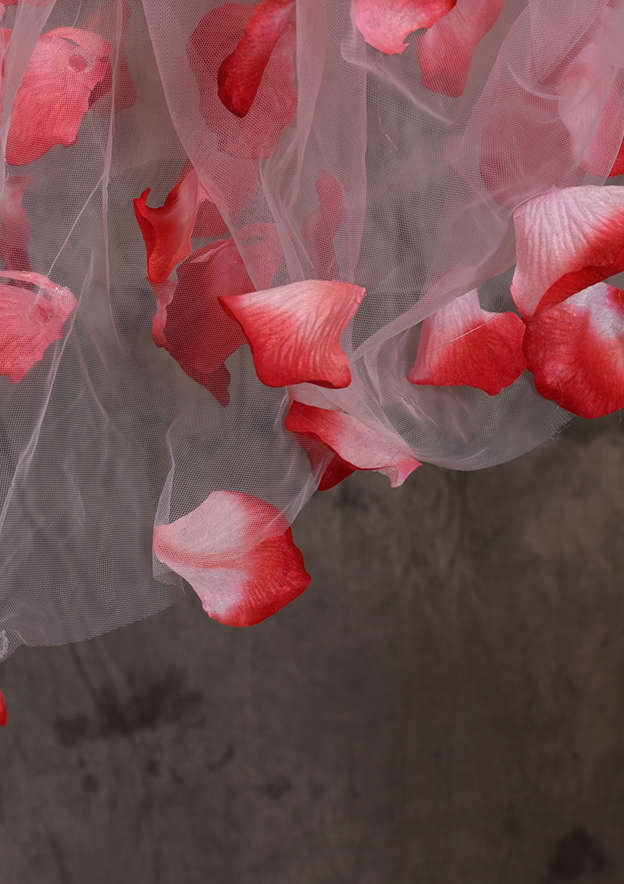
251 247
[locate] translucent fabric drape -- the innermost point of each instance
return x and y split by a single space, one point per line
393 187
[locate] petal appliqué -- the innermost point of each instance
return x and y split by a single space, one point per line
240 74
464 345
322 225
445 51
54 95
566 240
575 350
199 334
238 554
167 229
30 320
356 445
215 39
294 331
386 24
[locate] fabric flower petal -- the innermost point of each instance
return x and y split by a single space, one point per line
104 21
55 92
575 350
463 345
30 321
167 229
355 445
445 51
199 334
321 226
238 554
566 240
241 73
14 226
294 331
214 40
386 24
3 711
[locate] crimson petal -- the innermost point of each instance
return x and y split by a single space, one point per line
167 229
238 554
463 345
241 73
294 331
197 332
575 350
215 38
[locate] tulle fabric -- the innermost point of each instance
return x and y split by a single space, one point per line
360 170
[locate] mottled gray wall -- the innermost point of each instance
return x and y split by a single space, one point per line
445 705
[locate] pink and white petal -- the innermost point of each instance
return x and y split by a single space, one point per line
30 320
566 240
356 445
575 350
386 24
3 711
240 74
238 554
65 67
200 335
167 229
445 51
294 331
14 226
215 39
322 225
464 345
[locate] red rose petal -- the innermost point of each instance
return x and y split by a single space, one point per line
3 711
198 333
355 445
566 240
167 229
294 331
30 321
385 24
575 350
213 41
321 226
463 345
54 95
14 226
238 554
240 74
445 51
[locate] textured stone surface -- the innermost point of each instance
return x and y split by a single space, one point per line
445 705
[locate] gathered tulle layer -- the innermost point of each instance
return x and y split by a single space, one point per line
252 247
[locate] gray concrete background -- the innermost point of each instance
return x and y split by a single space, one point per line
445 705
